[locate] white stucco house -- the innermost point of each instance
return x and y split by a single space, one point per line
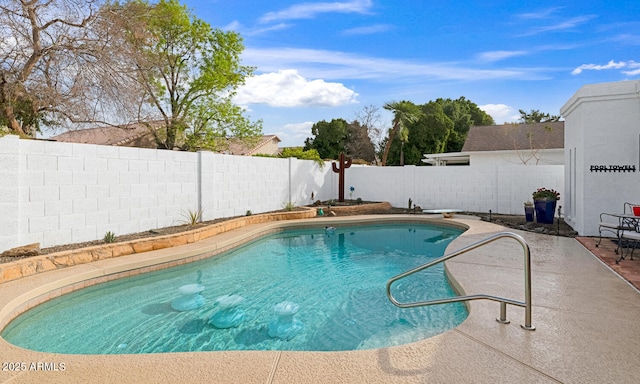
508 144
602 152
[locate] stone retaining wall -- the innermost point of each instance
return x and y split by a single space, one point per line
38 264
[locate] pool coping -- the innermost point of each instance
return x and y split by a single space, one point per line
478 350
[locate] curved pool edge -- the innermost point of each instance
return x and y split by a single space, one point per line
20 295
100 271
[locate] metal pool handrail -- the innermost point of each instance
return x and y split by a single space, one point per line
503 301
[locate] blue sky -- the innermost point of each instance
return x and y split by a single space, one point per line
319 60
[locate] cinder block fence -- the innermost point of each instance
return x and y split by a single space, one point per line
57 193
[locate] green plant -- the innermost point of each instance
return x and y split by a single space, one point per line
288 206
109 237
332 202
192 217
300 153
359 200
546 194
528 203
248 213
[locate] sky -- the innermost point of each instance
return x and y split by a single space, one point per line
322 60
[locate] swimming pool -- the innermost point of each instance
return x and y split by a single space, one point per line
335 280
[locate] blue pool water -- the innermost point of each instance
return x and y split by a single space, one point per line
336 280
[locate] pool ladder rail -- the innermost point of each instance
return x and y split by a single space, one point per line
503 301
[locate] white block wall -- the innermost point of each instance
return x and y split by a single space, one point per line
9 192
502 189
57 193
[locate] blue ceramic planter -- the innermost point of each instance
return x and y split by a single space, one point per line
528 213
545 211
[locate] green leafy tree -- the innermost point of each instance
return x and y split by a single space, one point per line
442 127
300 153
188 73
329 138
428 135
464 115
535 116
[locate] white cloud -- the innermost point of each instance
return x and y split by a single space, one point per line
501 113
300 128
632 73
310 10
287 88
610 65
562 26
325 64
232 26
368 30
295 132
492 56
543 14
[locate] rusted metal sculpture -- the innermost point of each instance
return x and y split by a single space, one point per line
344 164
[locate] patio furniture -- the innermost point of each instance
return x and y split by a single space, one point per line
616 223
630 237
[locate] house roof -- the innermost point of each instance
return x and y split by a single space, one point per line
515 137
138 135
236 147
130 135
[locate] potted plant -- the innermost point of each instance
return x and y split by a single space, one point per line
545 204
528 210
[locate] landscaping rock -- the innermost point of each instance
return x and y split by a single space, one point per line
25 250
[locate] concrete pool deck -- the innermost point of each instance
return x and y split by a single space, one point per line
587 323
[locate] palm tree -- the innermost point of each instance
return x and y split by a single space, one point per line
403 136
404 113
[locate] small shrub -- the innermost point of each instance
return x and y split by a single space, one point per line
359 200
109 237
248 213
192 217
332 202
288 206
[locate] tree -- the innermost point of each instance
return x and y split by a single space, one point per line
187 72
442 127
403 136
358 144
301 154
404 113
329 138
535 116
51 61
427 135
369 117
464 114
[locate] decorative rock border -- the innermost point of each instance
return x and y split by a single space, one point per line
360 208
38 264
